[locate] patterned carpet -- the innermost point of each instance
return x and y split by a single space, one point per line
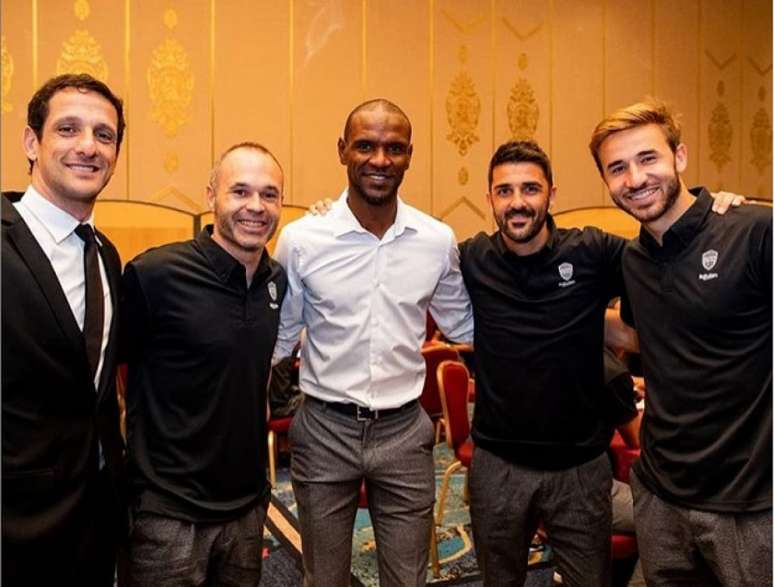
282 545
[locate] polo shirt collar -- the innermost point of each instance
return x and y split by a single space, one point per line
682 232
344 220
58 223
221 260
546 251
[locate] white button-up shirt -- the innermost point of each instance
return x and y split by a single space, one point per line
54 231
364 302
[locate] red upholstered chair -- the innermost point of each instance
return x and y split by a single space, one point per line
434 353
453 382
275 426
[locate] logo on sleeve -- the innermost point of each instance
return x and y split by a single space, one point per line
272 287
708 260
566 272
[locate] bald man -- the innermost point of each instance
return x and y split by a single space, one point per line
201 322
361 279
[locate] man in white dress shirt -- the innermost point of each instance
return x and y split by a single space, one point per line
361 280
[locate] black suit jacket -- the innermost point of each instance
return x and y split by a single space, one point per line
52 417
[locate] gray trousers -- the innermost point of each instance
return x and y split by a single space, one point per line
331 454
623 523
167 552
507 501
683 546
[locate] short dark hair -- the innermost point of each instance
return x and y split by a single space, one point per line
37 109
521 152
375 104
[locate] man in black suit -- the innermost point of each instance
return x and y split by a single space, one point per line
62 463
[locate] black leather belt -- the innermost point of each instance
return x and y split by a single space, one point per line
359 412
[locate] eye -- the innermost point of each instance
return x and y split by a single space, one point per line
363 146
105 136
503 190
66 129
396 149
531 189
270 196
648 159
241 192
615 170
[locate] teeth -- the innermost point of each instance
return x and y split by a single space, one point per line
640 194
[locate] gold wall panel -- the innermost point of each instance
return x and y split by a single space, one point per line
628 66
720 50
169 95
200 75
676 71
756 138
327 85
579 88
522 72
463 98
251 78
397 67
17 36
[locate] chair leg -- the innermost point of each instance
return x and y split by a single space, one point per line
438 424
272 457
434 564
444 488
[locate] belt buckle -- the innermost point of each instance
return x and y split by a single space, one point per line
365 414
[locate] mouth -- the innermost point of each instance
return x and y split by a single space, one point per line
256 226
83 167
378 177
641 194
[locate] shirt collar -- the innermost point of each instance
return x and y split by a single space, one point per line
58 223
221 260
547 249
345 221
682 232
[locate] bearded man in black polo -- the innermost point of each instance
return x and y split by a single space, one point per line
700 295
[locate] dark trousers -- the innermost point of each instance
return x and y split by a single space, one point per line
167 552
683 546
507 501
331 455
82 553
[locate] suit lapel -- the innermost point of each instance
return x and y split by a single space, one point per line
42 271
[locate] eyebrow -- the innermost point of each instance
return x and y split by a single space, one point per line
245 185
638 154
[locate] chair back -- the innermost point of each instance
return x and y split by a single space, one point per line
434 354
453 379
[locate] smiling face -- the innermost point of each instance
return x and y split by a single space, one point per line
246 199
520 197
643 174
377 153
75 155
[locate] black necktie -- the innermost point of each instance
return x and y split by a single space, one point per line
95 300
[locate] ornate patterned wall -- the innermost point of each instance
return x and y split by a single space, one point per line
199 75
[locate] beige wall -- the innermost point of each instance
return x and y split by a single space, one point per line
199 75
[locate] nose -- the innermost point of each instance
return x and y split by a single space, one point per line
380 158
87 144
255 203
635 177
517 201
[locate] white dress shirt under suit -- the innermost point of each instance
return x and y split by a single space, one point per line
364 302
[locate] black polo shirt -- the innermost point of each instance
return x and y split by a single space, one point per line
541 398
701 304
199 345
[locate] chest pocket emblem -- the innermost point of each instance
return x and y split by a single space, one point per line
709 259
565 271
272 287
